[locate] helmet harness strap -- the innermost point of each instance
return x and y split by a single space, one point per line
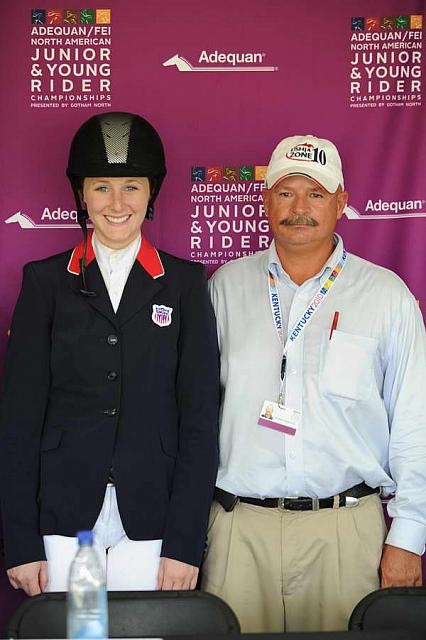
82 217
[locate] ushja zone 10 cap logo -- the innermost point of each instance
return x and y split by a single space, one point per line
308 153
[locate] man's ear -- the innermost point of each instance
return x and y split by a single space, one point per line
342 201
266 195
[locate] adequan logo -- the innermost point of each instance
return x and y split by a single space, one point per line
26 222
388 210
221 62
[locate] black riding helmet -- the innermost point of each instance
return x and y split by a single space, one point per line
113 145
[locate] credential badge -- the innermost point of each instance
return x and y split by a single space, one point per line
162 315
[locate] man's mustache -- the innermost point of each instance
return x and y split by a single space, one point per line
300 219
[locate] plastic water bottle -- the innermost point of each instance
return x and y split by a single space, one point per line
87 604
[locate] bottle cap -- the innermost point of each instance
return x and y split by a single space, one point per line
85 537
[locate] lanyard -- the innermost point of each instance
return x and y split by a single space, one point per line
304 319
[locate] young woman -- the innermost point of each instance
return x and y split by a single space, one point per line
110 392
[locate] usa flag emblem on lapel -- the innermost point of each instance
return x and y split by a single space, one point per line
162 315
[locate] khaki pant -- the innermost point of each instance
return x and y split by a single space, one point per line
294 571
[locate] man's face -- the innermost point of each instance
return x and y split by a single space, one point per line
117 208
301 212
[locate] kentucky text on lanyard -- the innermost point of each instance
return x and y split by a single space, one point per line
310 311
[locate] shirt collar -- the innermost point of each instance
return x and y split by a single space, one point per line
115 258
147 256
275 267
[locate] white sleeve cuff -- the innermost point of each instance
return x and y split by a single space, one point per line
407 534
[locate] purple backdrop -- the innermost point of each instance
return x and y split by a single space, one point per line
239 77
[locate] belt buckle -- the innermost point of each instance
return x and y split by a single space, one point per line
315 503
281 502
350 501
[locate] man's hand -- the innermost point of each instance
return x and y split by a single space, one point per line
400 568
31 577
175 575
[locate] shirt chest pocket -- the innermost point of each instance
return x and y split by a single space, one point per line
347 367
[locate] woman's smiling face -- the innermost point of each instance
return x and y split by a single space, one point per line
117 208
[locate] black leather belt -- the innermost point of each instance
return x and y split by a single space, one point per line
347 498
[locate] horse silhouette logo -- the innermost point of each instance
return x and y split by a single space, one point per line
25 222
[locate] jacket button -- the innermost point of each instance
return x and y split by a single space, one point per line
112 339
112 375
110 412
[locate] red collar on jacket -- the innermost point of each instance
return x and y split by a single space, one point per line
147 257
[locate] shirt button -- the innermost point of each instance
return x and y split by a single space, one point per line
110 412
112 339
292 455
112 375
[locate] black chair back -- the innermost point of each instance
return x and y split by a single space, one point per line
393 608
134 614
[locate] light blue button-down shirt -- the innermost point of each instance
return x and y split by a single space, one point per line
362 394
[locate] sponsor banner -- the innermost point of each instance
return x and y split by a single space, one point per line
70 61
226 219
386 61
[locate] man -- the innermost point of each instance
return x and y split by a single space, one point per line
108 412
336 345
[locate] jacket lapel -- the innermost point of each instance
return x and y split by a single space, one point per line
94 281
101 302
139 290
144 282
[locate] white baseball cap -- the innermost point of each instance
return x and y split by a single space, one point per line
315 158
